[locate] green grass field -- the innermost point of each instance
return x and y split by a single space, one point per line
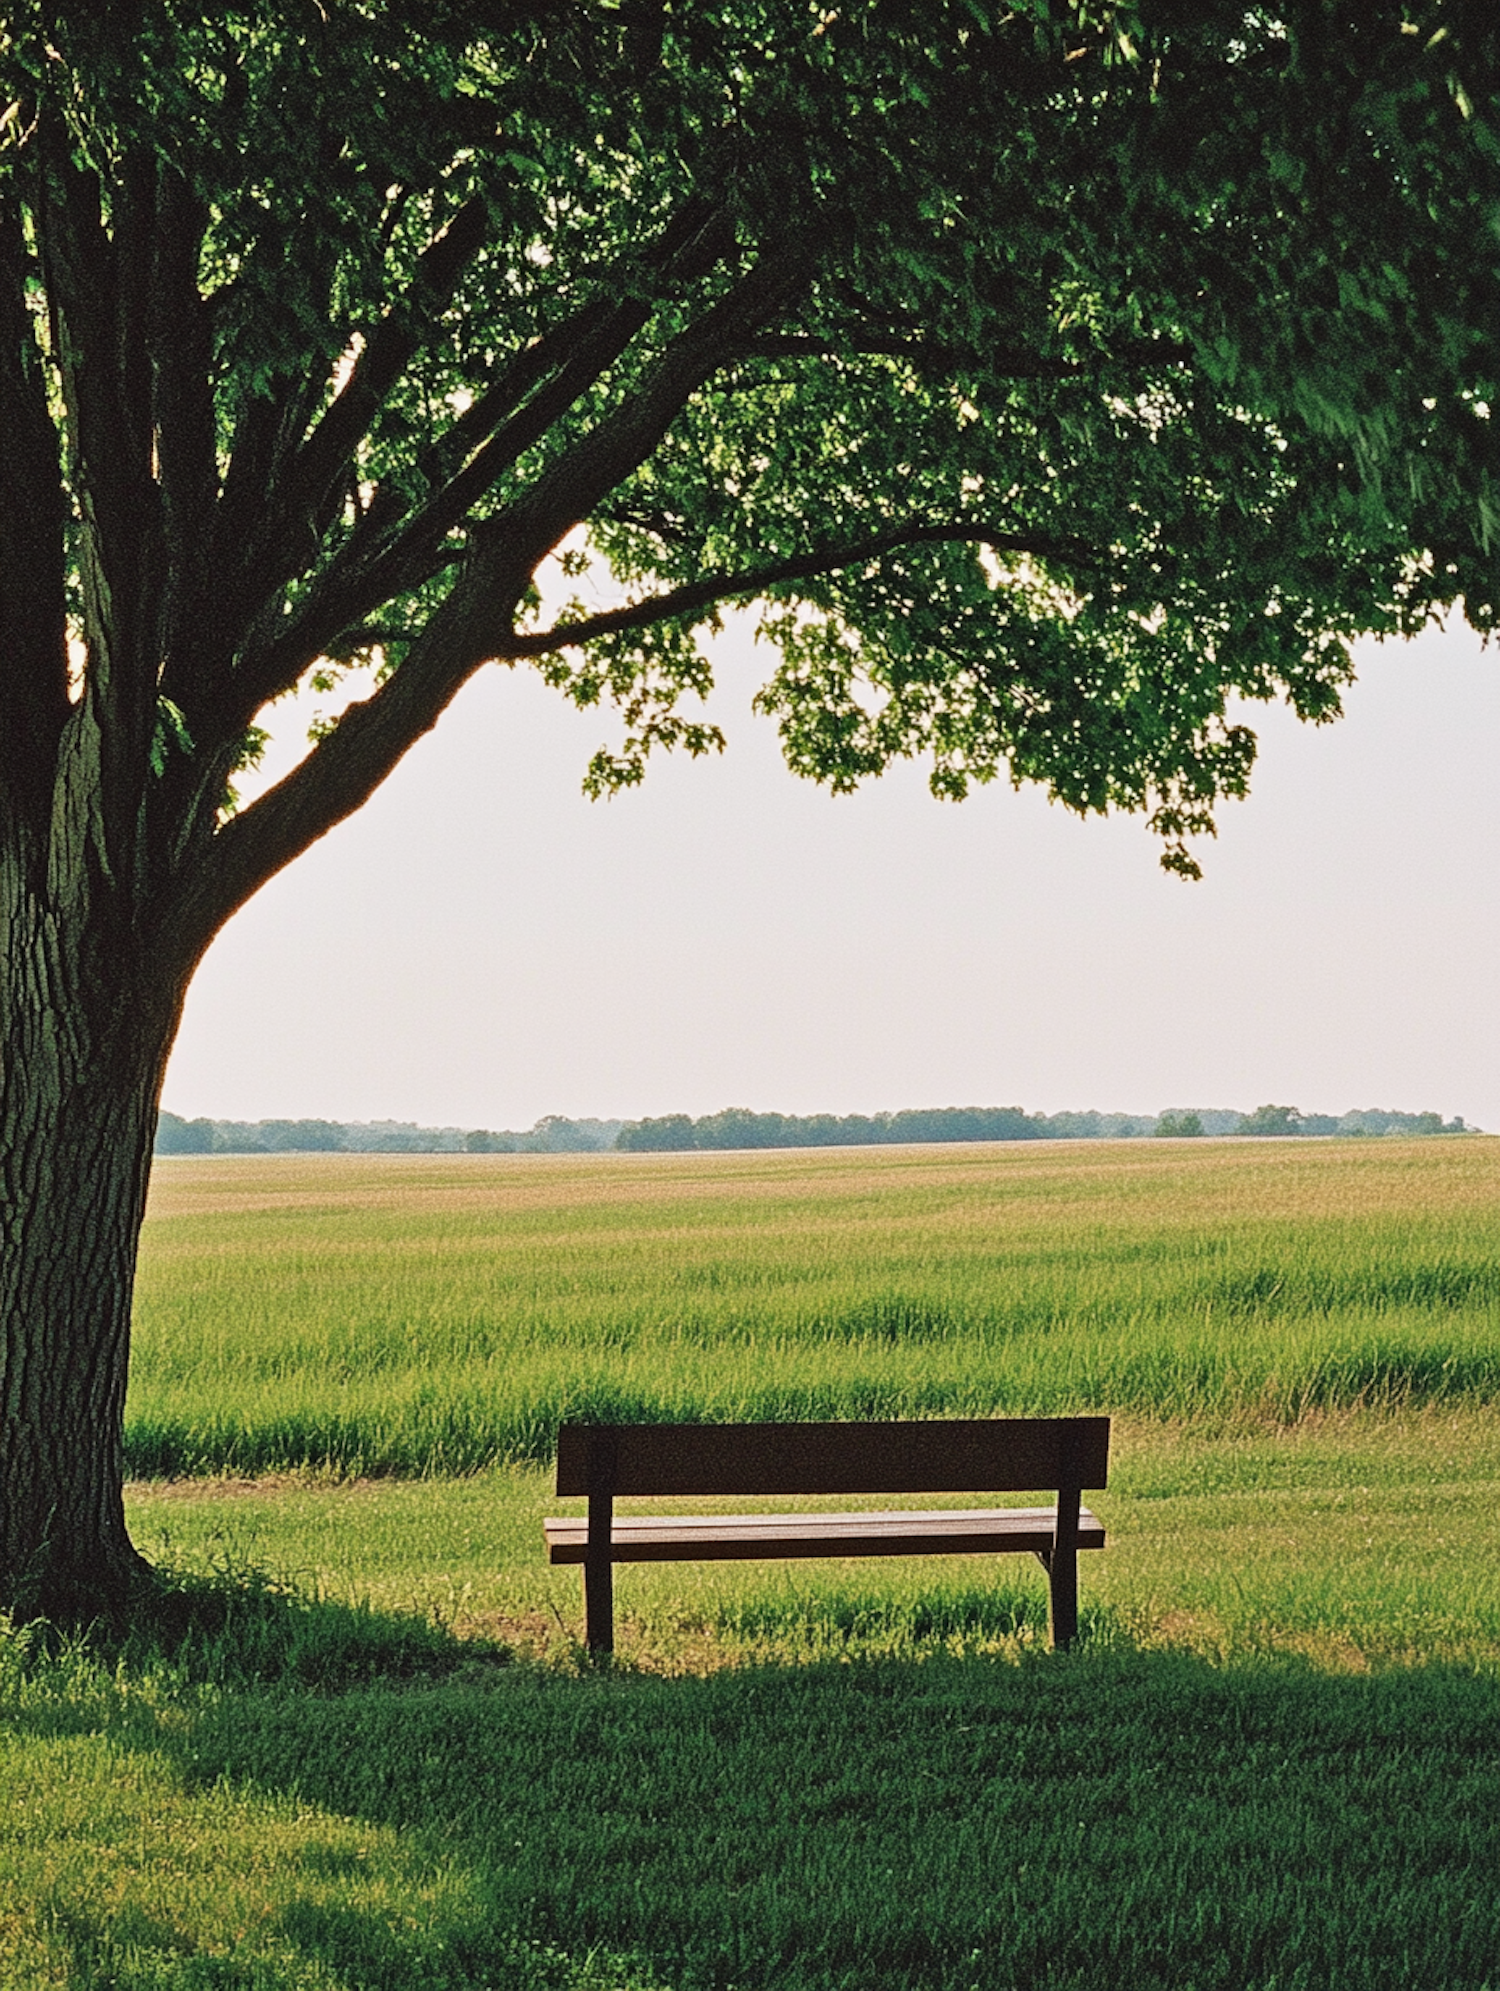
358 1750
439 1314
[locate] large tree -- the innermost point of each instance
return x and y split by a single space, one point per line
1051 375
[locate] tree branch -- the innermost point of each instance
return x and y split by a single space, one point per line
278 505
691 244
284 487
181 354
33 622
468 459
324 458
569 490
262 440
386 556
99 334
344 769
350 592
714 588
473 624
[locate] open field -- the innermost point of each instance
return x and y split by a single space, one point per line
438 1314
1364 1541
357 1750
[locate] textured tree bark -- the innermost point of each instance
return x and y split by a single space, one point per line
84 1049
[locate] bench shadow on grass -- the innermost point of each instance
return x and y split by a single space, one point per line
1110 1817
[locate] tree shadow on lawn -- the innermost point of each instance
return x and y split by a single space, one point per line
1110 1817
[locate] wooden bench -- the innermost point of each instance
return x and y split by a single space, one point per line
984 1455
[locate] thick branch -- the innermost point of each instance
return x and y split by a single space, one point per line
283 492
691 244
713 588
326 455
472 625
80 272
284 487
33 632
266 435
183 408
345 768
566 493
475 622
350 592
99 331
585 342
132 246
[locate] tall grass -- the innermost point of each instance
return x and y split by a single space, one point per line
354 1748
438 1314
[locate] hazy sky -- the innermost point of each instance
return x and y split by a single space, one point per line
482 946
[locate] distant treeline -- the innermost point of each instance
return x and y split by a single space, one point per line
738 1127
553 1135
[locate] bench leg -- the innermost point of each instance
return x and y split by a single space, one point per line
1062 1571
598 1556
599 1605
1062 1600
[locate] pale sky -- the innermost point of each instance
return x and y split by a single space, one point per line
481 945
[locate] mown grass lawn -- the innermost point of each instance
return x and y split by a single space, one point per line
357 1747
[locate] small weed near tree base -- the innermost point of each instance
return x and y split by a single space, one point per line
353 1744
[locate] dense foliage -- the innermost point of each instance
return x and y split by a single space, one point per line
1052 375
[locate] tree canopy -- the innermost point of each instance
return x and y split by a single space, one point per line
1051 379
1050 376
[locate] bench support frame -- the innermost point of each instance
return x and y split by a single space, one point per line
995 1454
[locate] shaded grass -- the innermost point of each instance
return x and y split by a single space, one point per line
128 1862
1141 1820
354 1748
393 1315
1116 1817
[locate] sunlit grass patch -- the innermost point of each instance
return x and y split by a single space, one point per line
1362 1531
445 1313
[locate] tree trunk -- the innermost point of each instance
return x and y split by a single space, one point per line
85 1040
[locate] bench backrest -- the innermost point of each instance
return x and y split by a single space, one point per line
977 1455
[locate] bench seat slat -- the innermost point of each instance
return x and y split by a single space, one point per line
747 1537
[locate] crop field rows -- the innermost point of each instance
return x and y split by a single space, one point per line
359 1748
